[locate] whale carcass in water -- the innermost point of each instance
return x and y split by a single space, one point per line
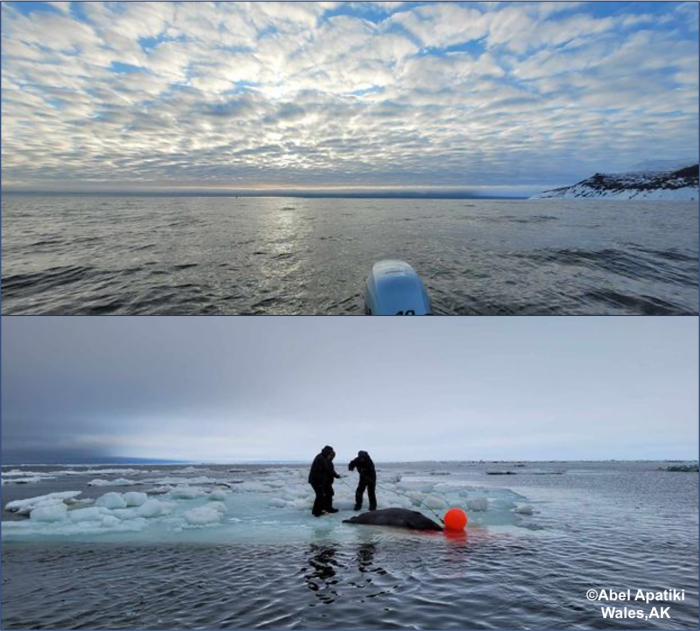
401 517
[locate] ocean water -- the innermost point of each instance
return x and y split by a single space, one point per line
538 539
126 255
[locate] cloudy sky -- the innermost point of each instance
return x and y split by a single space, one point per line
242 389
131 95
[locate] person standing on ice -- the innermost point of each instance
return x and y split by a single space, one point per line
321 480
329 489
368 479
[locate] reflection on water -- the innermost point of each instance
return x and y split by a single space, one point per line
365 558
320 577
457 537
326 572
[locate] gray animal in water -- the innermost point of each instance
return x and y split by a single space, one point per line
401 517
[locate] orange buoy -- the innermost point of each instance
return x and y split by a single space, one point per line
455 519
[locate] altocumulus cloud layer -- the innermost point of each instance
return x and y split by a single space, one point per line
402 388
342 94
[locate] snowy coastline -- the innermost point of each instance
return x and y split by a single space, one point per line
675 184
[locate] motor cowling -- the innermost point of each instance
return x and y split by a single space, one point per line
394 288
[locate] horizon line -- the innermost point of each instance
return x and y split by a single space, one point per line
292 193
172 462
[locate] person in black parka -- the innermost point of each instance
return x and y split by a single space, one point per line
321 480
368 479
329 484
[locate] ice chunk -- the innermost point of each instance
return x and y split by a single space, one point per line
218 495
54 512
172 480
111 500
524 509
134 498
126 513
186 492
27 480
15 476
254 487
117 482
276 502
301 504
478 504
24 507
434 502
94 513
150 508
203 515
110 521
415 485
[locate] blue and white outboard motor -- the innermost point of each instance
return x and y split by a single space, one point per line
394 288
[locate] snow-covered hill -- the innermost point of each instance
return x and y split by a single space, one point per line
670 184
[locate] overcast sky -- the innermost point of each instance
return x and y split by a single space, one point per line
234 95
241 389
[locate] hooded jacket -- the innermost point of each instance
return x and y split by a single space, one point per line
321 473
365 467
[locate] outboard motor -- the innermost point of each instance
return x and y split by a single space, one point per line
394 288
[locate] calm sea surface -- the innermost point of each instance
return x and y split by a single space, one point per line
593 525
97 255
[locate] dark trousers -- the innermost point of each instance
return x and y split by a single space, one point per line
370 486
329 497
324 498
320 501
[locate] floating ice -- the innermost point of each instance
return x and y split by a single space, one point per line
253 487
267 505
435 502
111 500
203 515
523 509
24 507
30 480
150 508
186 492
54 512
117 482
94 513
126 513
478 504
172 480
134 498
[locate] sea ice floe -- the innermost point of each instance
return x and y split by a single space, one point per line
24 507
435 502
523 509
111 500
28 480
134 498
176 481
218 495
478 504
186 492
54 512
253 487
117 482
276 506
150 508
94 513
203 515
